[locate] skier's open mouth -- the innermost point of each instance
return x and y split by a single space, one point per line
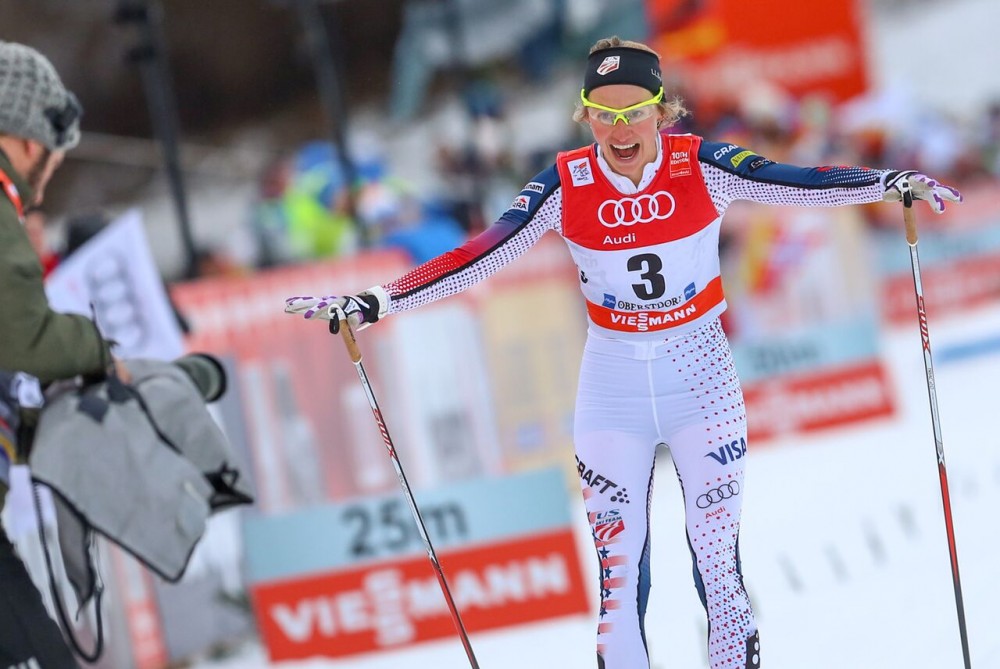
625 152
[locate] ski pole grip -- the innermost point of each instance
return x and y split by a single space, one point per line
350 341
909 219
910 222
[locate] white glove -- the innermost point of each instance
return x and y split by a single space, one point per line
361 310
923 188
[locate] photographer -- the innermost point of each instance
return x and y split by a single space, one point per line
39 122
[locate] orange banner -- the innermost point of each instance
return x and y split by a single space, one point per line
956 286
395 604
818 400
721 46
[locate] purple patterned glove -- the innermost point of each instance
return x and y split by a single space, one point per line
923 188
362 309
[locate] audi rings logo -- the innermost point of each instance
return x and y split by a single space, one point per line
628 211
723 492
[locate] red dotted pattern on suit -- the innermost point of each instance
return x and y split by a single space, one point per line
704 360
731 621
457 270
725 187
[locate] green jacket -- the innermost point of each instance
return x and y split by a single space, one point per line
33 338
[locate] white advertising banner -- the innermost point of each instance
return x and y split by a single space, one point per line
113 277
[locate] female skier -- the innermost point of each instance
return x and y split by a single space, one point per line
640 210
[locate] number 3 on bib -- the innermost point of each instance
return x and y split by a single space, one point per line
653 284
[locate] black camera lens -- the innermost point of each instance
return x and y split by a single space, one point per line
207 373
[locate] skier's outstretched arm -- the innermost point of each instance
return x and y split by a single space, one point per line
535 210
735 173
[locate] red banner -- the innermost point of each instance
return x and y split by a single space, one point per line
822 399
950 288
722 45
389 605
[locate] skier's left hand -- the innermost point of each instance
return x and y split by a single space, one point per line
922 187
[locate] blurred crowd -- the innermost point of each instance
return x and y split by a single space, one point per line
885 130
313 204
309 209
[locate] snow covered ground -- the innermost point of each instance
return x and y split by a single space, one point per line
843 544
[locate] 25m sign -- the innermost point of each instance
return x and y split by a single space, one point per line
352 578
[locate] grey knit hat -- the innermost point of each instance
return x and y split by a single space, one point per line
34 104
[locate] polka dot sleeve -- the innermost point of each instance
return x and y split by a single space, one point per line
734 173
500 244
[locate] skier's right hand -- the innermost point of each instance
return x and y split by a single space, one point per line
361 310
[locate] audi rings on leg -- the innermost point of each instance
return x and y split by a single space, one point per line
720 494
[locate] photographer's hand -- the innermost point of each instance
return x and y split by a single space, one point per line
121 370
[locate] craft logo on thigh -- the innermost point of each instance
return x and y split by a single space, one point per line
621 496
598 481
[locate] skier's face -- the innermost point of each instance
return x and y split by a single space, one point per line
627 146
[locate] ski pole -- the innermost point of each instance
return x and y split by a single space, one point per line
909 219
355 352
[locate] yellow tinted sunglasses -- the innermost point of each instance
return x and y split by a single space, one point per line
636 113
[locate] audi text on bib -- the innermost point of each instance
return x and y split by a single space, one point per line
649 261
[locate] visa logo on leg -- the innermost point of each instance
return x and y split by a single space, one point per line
729 452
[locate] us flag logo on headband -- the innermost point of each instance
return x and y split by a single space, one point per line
610 64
